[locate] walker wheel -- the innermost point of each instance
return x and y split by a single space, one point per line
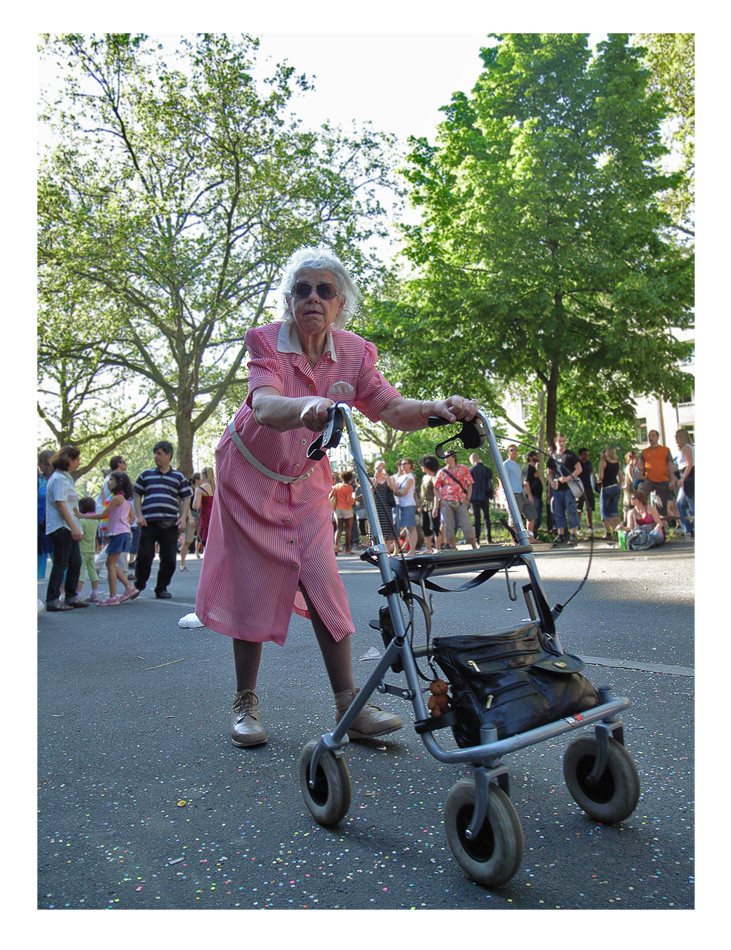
329 800
615 795
493 856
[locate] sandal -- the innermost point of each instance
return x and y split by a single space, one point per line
109 602
183 568
129 594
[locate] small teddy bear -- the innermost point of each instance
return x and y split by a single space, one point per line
439 700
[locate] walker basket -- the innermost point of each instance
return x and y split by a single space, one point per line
508 680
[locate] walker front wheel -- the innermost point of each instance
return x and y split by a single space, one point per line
328 800
614 796
494 854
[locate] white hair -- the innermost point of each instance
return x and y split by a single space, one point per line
319 258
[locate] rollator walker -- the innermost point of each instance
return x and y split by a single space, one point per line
511 688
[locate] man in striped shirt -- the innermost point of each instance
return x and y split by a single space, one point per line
162 499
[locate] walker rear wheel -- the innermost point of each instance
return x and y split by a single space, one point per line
493 856
329 800
614 796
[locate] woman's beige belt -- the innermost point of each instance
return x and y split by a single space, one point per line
258 465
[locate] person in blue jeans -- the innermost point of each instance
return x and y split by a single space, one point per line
562 468
608 475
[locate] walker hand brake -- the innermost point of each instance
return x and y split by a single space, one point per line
330 435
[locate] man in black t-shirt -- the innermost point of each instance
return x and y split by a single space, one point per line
562 468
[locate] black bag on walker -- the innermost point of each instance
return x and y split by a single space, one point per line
507 679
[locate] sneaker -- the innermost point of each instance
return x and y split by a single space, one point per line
246 727
370 722
190 620
559 539
573 539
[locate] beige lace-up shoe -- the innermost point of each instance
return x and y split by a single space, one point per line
370 722
246 728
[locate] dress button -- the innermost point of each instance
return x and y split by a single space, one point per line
287 520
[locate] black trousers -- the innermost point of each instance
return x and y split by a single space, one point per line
167 538
478 508
66 558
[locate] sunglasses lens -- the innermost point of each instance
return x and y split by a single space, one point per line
303 290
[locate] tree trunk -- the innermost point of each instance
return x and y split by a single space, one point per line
184 448
551 404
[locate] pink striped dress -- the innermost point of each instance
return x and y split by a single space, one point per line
267 537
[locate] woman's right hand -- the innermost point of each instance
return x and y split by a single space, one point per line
314 413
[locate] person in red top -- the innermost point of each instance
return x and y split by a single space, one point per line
657 472
270 541
452 493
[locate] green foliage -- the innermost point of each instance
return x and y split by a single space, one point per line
542 252
172 198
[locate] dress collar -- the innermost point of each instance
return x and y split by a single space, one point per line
289 342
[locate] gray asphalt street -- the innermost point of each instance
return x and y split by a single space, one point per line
144 803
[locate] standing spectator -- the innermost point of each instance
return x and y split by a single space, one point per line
452 490
190 528
162 499
64 530
45 545
657 472
116 464
562 468
631 479
360 513
203 503
519 487
430 516
119 515
534 487
482 493
87 549
586 502
405 492
385 503
610 491
685 500
343 493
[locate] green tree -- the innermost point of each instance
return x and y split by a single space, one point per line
173 196
670 58
542 254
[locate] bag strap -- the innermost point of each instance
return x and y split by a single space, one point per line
447 472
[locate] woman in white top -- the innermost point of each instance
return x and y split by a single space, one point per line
405 493
685 487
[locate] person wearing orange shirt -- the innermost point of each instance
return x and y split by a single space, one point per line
657 472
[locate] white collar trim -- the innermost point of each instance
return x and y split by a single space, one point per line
288 341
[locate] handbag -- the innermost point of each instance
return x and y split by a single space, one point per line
509 680
576 488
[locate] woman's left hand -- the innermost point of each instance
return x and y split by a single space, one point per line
456 407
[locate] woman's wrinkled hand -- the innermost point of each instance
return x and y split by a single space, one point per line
457 407
313 414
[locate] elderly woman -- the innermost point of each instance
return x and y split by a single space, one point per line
270 543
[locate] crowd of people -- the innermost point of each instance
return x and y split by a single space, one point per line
123 528
428 515
171 515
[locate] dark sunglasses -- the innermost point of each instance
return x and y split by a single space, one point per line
302 290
